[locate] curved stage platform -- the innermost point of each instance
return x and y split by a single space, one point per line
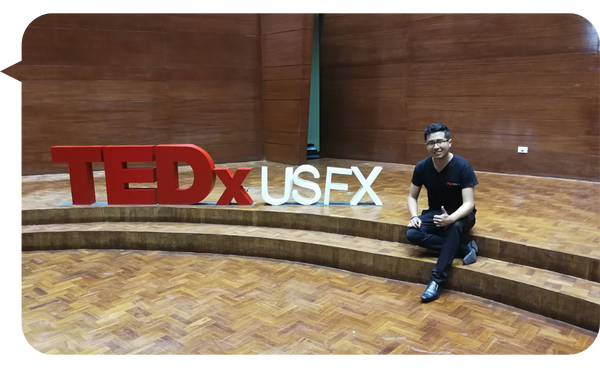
539 238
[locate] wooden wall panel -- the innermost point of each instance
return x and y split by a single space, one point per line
283 49
470 36
368 135
286 138
113 22
94 91
201 49
369 49
286 72
537 143
594 125
55 46
288 154
541 64
234 137
278 23
507 115
23 72
361 143
215 73
348 24
397 70
282 115
239 24
594 146
93 123
593 165
364 113
497 80
541 163
213 90
364 85
548 154
286 60
485 27
193 117
296 89
368 88
467 84
141 79
361 150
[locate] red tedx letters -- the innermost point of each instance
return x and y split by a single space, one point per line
165 174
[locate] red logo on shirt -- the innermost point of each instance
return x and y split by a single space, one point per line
450 184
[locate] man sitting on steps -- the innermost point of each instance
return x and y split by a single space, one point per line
450 182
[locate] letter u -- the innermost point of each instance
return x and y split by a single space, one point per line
289 171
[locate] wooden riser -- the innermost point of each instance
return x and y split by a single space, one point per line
575 301
577 265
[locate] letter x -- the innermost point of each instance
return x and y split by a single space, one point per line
366 185
233 185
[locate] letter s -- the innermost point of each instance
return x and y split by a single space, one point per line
302 183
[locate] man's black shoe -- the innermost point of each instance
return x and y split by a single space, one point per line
432 292
471 256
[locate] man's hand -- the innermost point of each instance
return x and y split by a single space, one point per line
442 220
415 222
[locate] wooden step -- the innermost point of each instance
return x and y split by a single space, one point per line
570 299
571 261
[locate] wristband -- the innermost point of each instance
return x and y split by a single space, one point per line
413 217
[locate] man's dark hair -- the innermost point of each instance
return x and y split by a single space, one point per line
434 128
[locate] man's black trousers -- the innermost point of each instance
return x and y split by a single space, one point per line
449 241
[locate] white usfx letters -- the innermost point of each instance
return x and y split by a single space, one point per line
292 176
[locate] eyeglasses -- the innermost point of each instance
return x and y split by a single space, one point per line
439 142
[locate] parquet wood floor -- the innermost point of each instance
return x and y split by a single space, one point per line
147 302
556 214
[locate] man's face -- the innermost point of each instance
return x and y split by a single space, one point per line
437 145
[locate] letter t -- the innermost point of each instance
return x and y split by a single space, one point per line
81 176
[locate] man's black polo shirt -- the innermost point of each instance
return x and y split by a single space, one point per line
444 188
